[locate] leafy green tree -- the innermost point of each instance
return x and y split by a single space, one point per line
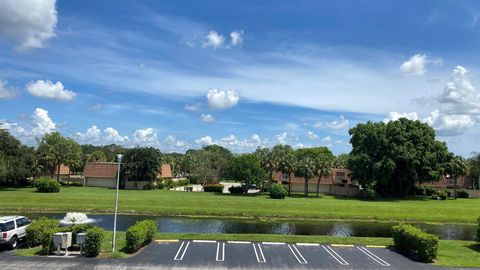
268 162
284 158
97 155
141 164
16 160
55 150
457 166
474 169
246 168
305 168
341 161
393 157
322 158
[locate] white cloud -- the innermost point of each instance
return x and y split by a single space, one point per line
327 139
47 89
450 124
311 135
230 139
192 107
393 116
7 92
111 135
207 118
336 124
416 65
91 136
220 99
29 23
214 40
204 141
171 144
145 137
281 138
236 38
42 123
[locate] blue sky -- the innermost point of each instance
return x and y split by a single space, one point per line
242 74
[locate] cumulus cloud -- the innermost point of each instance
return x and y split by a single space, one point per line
111 135
311 135
205 141
192 107
47 89
214 40
207 118
393 116
220 99
7 92
145 137
281 138
327 139
336 124
40 123
450 124
417 64
93 135
236 38
28 23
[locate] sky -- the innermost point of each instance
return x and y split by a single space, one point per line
242 74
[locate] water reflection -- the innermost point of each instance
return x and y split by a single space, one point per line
335 228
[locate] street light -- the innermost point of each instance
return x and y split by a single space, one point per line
119 160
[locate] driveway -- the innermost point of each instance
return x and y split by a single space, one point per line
198 254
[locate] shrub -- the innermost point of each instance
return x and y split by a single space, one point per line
149 186
93 241
236 190
167 183
140 234
46 185
463 194
277 191
429 191
420 191
40 232
442 194
415 243
368 192
213 188
79 228
449 192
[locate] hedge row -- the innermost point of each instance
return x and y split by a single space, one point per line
415 243
140 234
218 188
46 185
93 241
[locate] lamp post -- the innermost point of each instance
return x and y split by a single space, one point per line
119 160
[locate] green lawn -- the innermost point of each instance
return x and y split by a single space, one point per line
450 253
174 203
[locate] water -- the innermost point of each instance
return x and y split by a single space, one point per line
76 218
220 225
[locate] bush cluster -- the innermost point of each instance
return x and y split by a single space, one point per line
277 191
93 241
140 234
429 191
415 243
46 185
443 194
78 228
149 186
463 194
169 183
236 190
213 188
40 232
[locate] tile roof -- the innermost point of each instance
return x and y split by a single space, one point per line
166 170
100 170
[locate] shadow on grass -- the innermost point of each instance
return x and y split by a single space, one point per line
474 247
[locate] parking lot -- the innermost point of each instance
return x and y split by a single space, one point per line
268 255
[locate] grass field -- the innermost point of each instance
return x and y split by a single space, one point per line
450 253
174 203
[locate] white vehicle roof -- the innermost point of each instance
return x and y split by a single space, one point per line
9 218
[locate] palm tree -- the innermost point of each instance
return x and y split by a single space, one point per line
323 167
474 168
267 161
457 166
284 157
306 169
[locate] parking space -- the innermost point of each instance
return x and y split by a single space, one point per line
271 255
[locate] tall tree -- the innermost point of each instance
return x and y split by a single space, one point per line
246 168
341 161
97 155
284 158
305 168
474 168
322 158
16 160
141 164
457 166
393 157
267 161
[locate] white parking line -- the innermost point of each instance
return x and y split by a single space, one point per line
239 242
259 254
273 243
204 241
373 256
299 257
180 249
335 255
308 244
220 252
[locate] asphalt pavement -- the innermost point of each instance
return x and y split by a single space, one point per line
200 254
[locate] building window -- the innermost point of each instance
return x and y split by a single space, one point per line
450 180
284 176
340 177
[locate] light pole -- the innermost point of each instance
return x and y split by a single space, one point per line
119 160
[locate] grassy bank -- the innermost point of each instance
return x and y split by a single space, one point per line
450 254
172 203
